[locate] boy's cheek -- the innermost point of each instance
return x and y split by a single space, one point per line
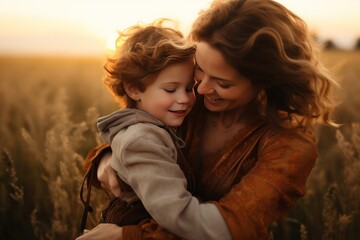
192 98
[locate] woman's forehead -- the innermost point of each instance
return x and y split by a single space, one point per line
211 61
209 56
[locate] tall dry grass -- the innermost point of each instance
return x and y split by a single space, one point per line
48 111
330 209
48 115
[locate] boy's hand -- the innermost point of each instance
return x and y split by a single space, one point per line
108 177
102 231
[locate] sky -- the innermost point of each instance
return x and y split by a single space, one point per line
89 27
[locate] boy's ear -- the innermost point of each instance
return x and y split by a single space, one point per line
132 92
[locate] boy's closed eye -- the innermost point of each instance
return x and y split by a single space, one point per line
170 90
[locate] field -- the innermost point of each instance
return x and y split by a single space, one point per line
49 107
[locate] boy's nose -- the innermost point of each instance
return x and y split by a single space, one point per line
183 97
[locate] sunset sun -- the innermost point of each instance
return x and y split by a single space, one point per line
110 41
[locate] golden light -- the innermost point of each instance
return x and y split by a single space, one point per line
90 26
111 40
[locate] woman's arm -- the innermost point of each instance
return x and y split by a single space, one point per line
272 187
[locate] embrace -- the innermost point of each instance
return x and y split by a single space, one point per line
215 137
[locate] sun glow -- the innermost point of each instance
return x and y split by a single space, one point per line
76 26
111 40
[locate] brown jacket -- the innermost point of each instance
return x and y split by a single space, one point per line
257 177
254 180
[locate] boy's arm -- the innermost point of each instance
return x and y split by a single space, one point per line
148 164
99 158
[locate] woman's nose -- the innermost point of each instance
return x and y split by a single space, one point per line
204 86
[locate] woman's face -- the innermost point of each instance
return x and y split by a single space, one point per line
222 86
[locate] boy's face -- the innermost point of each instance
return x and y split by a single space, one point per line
170 96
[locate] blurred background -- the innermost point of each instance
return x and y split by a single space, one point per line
51 92
80 27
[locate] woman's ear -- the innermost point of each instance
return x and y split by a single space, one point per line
132 91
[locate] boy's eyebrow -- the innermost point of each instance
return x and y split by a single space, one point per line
170 83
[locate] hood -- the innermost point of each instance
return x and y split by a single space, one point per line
111 124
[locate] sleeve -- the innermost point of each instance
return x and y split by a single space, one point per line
272 187
148 164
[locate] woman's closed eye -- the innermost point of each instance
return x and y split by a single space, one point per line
170 90
224 85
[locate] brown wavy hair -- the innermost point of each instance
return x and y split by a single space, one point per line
273 48
142 51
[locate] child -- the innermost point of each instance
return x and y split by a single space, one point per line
152 75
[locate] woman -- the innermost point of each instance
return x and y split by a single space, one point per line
152 75
250 139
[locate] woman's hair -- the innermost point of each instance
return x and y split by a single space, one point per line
142 51
271 46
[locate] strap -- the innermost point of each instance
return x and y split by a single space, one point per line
91 166
87 207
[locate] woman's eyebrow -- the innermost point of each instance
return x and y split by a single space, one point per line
218 78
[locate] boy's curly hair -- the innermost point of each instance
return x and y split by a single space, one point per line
142 51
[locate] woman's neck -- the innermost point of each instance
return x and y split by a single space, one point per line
229 119
220 128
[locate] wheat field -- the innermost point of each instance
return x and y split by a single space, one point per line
49 107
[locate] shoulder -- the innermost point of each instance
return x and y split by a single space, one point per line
287 154
141 133
292 144
143 142
288 136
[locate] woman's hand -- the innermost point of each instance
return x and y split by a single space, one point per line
102 231
108 177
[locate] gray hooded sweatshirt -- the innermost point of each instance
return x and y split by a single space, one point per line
145 157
